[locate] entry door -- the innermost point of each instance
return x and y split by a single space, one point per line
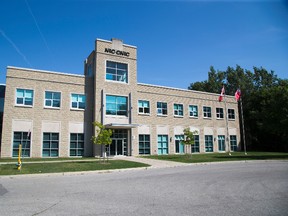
118 147
221 143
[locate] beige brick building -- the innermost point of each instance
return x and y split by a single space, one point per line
51 113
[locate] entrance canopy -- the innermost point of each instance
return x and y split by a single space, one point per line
122 126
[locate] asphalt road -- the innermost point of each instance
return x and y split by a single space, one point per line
234 188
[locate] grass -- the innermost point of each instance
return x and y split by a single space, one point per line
221 157
61 167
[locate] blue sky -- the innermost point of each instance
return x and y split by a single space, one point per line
177 41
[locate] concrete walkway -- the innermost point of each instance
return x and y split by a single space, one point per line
152 162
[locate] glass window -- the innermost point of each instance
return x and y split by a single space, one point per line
24 97
208 143
179 146
178 109
233 143
116 71
162 144
231 114
219 113
193 111
196 146
143 107
207 112
76 144
116 105
50 145
221 143
22 138
144 144
52 99
161 108
78 101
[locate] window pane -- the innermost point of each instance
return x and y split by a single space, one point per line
48 95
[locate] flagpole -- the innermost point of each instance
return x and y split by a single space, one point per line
227 128
243 130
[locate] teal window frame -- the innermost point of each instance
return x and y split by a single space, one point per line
163 145
23 138
178 110
76 144
116 105
195 148
208 143
78 101
116 71
143 107
207 112
24 97
193 111
144 144
233 143
221 143
52 99
50 145
179 146
162 108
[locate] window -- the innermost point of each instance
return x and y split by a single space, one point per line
78 101
208 143
178 109
196 146
24 97
52 99
193 111
24 139
207 112
231 114
76 144
162 144
116 71
144 144
50 144
179 146
143 107
116 105
161 108
221 143
219 113
233 143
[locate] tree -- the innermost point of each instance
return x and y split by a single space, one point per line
188 138
102 137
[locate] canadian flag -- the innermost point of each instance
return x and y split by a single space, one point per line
222 94
237 94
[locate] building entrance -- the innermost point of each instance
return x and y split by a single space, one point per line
117 147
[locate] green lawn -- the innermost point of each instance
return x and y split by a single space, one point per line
218 157
59 167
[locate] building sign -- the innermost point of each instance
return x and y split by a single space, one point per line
117 52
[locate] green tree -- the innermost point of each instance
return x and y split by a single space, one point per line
188 138
102 136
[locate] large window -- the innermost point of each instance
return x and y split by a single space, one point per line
179 146
50 145
193 111
116 105
231 114
143 107
178 109
116 71
144 144
78 101
233 143
52 99
221 143
22 138
207 112
24 97
161 108
76 144
196 146
219 113
208 143
162 144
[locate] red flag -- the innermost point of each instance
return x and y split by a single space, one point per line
237 95
222 94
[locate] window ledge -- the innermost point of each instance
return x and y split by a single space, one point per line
74 109
193 117
175 116
52 108
24 106
144 114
